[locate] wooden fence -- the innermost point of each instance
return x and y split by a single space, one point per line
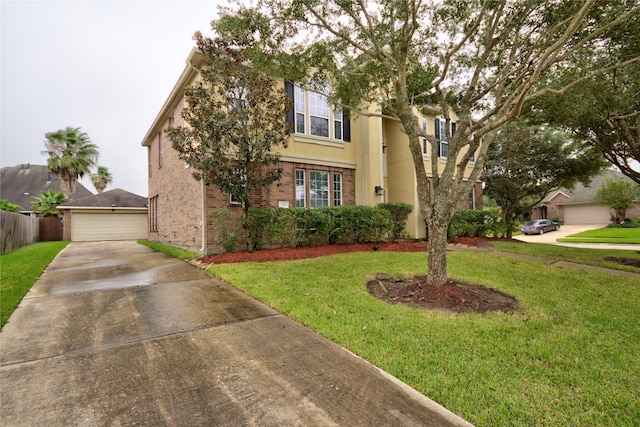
50 229
17 230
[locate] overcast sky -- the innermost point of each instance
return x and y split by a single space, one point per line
104 66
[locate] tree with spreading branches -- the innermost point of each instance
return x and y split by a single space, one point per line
526 162
480 60
234 119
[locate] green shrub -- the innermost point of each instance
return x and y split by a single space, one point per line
628 223
399 215
259 227
227 229
468 223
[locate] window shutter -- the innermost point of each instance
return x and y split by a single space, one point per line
453 129
424 145
437 129
290 118
346 126
439 153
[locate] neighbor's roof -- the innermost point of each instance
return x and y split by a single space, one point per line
19 184
109 199
586 194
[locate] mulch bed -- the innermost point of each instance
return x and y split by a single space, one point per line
455 296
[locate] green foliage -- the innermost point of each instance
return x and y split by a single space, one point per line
227 228
468 223
303 226
174 251
6 205
20 269
399 215
46 204
234 121
573 344
526 162
620 195
628 223
71 155
101 178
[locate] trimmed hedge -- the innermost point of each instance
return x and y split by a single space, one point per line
284 227
399 214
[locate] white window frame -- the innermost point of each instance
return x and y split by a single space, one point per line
337 189
310 105
300 188
314 200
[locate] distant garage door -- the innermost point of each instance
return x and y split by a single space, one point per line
108 226
586 214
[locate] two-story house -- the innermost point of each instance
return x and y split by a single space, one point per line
332 159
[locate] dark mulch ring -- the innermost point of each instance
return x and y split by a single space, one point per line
624 261
455 296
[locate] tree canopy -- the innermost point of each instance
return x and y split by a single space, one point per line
526 162
620 195
46 204
101 178
480 60
71 155
234 120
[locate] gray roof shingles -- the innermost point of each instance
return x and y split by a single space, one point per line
112 198
19 184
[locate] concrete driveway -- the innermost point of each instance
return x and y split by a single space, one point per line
567 230
114 333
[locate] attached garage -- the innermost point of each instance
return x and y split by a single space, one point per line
586 214
112 215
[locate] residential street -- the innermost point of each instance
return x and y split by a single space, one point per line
114 333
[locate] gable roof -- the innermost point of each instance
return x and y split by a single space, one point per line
586 194
19 184
109 199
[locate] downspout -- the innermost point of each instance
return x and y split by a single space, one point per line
362 144
203 227
381 158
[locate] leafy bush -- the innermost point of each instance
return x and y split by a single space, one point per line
399 215
259 227
6 205
468 223
227 229
629 223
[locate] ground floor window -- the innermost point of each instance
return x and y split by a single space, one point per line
153 213
337 189
472 199
301 190
318 189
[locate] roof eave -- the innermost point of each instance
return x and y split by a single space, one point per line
194 61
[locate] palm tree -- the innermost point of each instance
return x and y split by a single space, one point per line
46 204
71 155
101 178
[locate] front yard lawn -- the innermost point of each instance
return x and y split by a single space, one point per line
19 269
594 257
605 235
568 356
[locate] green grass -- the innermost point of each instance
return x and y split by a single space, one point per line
174 251
19 269
594 257
569 356
605 235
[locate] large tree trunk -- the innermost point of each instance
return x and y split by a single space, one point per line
438 224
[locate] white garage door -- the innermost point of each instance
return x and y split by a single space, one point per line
108 226
586 214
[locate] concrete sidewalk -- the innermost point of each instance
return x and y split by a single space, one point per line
114 333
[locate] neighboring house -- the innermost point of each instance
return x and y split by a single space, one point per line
578 206
113 215
353 161
19 184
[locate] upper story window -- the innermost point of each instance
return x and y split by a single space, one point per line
312 115
441 135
